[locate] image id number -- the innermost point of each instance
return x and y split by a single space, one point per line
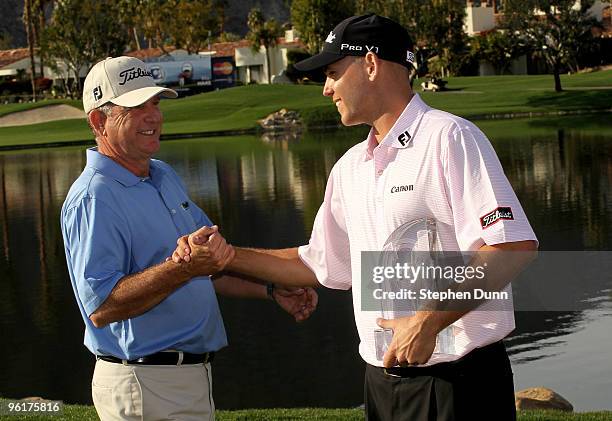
14 407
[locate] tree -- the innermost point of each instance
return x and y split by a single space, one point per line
315 18
262 33
179 23
5 40
436 27
39 21
34 21
556 30
228 37
80 33
404 12
151 18
192 24
129 13
500 48
28 21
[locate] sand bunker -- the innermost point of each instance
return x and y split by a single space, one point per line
41 115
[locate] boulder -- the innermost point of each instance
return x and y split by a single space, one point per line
281 120
541 398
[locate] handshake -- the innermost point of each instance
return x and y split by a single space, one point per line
206 252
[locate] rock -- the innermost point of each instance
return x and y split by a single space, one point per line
541 398
282 120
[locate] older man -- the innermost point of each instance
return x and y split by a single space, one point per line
153 325
416 163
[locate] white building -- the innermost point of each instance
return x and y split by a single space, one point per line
252 65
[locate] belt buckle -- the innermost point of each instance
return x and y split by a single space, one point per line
390 374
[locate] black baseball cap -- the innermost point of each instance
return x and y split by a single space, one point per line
358 35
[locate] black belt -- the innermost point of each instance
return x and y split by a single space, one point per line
475 359
163 358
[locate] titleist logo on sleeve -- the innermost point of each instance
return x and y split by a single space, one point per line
495 216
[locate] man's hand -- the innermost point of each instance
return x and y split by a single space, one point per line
208 254
282 266
182 253
299 302
414 340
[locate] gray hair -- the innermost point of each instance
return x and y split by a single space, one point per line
106 109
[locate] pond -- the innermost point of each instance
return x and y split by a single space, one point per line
265 193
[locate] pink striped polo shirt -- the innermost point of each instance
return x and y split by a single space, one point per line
431 164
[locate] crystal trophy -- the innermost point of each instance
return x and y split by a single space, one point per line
415 244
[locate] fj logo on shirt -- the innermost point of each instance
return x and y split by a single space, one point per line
397 189
495 216
404 138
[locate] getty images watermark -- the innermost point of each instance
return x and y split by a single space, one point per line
395 282
401 281
432 275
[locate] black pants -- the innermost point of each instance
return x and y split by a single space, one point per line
478 386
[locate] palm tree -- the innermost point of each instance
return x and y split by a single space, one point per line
29 26
39 22
262 33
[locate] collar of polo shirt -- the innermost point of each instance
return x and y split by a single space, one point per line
401 135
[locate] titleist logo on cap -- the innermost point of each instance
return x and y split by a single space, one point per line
133 73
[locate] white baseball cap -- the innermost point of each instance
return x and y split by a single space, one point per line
124 81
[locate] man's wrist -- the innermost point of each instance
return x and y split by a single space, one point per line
234 264
184 269
270 287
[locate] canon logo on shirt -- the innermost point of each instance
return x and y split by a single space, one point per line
397 189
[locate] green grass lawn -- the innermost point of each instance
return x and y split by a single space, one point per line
87 413
477 96
241 107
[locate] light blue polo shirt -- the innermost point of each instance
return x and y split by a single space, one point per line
114 224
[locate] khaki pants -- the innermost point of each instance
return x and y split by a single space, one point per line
152 392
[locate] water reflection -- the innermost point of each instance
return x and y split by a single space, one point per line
265 193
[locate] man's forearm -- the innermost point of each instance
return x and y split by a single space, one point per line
503 262
414 337
139 292
236 286
278 266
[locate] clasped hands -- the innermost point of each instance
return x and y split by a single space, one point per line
206 252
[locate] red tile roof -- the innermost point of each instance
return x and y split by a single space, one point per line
11 56
227 49
148 52
221 49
